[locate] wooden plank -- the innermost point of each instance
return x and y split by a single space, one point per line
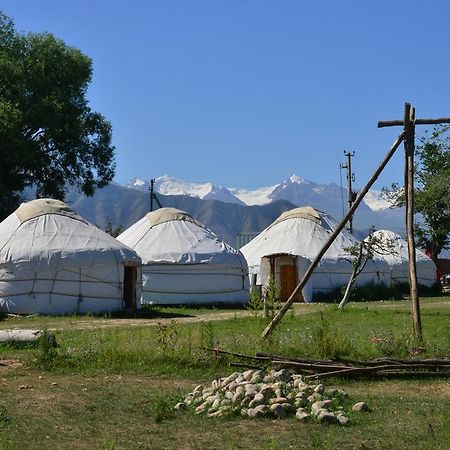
394 123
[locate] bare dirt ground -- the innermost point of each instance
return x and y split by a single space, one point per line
75 323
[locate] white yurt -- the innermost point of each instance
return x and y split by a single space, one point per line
52 261
286 248
185 262
395 253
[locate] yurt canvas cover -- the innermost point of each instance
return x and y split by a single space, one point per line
184 262
396 255
52 261
287 247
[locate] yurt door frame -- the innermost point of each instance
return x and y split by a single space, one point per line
286 275
129 287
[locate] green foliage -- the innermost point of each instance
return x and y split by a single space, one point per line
46 352
207 335
166 336
329 341
271 298
255 303
114 231
49 136
162 409
402 345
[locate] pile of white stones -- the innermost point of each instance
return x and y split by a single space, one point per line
275 394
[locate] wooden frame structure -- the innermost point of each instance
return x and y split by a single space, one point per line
407 137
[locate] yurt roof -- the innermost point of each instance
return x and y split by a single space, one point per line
163 215
302 232
45 233
42 206
395 249
172 236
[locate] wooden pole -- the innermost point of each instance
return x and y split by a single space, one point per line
330 240
409 130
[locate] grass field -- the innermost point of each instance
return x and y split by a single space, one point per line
112 382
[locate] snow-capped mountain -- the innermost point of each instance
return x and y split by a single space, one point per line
167 185
259 196
374 211
294 189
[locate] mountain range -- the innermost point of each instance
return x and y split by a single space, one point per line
228 211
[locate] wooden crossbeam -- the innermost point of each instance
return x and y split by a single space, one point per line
394 123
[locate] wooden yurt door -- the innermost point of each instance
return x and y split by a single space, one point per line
129 287
288 281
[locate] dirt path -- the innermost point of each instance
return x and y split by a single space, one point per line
75 323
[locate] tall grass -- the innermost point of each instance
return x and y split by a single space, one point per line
358 331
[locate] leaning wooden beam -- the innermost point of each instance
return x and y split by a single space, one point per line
333 236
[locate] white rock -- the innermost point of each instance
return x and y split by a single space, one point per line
237 398
327 417
302 414
258 399
258 411
342 419
216 403
197 401
248 374
320 405
278 411
319 389
240 390
315 397
278 400
200 408
360 406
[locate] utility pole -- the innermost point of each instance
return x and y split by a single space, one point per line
153 195
351 196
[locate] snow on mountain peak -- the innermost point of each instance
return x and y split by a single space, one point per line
294 189
296 179
375 201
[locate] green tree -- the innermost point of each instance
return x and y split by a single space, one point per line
431 191
49 136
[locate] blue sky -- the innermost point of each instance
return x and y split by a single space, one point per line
246 92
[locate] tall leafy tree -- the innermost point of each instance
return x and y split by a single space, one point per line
431 191
49 136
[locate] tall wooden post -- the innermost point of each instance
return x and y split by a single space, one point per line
409 129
